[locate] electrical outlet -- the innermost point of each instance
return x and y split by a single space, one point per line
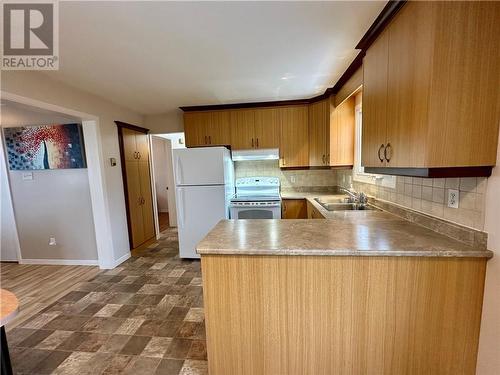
292 179
453 198
52 241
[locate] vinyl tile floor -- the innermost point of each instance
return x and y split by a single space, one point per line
143 317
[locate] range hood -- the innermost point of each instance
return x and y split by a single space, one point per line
259 154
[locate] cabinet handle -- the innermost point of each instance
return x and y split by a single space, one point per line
390 152
257 143
139 201
139 154
327 160
206 141
209 140
379 156
323 158
252 143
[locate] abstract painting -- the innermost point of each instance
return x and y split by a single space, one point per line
45 147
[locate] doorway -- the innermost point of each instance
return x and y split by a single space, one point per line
99 216
163 178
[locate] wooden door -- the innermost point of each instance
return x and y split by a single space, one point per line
342 124
242 129
267 128
294 151
375 70
294 209
196 128
147 201
319 121
220 128
129 144
136 223
410 46
142 143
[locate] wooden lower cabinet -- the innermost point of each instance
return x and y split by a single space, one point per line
323 315
313 212
294 209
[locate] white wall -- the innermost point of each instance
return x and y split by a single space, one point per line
165 122
55 203
40 86
160 172
489 343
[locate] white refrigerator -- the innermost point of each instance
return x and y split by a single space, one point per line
204 185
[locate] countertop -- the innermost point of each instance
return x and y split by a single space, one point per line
343 233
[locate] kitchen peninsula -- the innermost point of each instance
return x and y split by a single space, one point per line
362 292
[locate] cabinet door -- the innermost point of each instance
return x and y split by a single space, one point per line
373 137
242 129
142 143
294 209
196 128
147 201
411 45
319 121
134 202
464 102
294 150
342 125
220 128
267 128
129 144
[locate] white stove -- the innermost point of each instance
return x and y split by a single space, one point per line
256 198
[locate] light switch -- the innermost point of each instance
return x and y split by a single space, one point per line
112 161
27 176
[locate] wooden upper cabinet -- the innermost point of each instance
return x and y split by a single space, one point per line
319 133
410 40
294 150
375 71
464 100
267 128
242 129
219 132
430 91
342 124
196 128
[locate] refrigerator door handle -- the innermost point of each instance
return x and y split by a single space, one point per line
178 170
181 207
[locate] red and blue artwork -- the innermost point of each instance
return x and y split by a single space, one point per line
45 147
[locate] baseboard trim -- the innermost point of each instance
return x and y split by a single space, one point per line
61 262
116 263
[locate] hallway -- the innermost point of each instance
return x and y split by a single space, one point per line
143 317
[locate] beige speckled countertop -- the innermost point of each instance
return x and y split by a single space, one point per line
343 233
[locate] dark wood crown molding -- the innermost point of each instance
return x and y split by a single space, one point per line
383 19
122 124
380 23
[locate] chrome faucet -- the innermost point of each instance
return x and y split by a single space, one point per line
358 198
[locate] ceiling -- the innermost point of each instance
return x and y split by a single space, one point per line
17 114
153 57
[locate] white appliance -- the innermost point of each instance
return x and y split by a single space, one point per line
204 185
256 198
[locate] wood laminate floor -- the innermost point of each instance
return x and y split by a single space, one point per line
144 317
37 286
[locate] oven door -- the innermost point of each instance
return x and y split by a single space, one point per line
256 212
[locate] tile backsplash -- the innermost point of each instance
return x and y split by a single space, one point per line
289 178
430 196
427 195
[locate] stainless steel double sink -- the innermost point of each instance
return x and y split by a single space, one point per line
341 204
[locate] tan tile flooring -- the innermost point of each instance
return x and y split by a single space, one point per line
143 317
